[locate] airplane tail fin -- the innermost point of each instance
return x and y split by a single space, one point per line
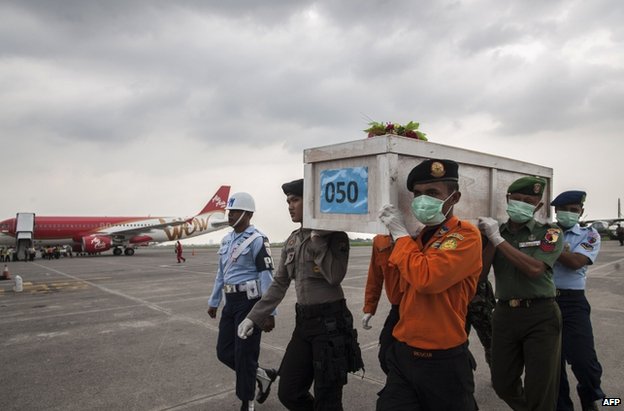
218 201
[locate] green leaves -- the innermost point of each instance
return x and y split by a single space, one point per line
408 130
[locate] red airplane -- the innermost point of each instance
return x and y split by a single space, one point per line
97 234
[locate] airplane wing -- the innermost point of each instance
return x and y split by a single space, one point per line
134 231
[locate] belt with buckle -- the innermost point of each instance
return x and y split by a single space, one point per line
521 302
234 288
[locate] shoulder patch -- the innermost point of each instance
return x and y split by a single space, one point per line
449 244
552 235
592 237
547 246
587 246
456 235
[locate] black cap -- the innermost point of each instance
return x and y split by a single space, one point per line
294 187
432 170
569 197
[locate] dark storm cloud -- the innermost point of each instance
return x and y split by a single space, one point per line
291 70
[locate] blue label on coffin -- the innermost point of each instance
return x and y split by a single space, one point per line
344 191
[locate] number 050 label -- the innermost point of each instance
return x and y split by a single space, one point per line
344 191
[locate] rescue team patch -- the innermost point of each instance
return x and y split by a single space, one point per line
456 235
587 246
449 244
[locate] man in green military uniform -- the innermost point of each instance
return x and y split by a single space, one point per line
526 325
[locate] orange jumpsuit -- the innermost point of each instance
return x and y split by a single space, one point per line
438 280
381 274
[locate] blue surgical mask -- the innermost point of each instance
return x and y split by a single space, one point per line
519 211
428 210
567 219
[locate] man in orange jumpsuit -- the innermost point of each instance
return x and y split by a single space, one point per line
430 367
178 250
382 275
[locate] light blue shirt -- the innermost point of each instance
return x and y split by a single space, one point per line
253 263
579 240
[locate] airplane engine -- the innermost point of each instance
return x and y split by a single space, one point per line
96 243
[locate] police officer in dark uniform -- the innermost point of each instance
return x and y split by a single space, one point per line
581 248
323 347
526 325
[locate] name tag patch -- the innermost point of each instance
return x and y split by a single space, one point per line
526 244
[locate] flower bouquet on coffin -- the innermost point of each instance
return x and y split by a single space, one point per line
408 130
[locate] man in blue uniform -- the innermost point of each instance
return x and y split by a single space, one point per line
580 249
244 274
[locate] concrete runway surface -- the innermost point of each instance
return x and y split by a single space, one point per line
132 333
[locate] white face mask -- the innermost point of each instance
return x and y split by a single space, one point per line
519 211
567 219
428 210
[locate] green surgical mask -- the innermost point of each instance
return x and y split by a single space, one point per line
567 219
428 210
519 211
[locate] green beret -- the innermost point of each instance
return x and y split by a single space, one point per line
432 170
294 187
533 186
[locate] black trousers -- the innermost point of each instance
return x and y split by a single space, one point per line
238 354
577 348
317 353
437 380
385 337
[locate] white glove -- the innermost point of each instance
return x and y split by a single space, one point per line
489 227
392 219
367 317
245 328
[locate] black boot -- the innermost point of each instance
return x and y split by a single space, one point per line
264 377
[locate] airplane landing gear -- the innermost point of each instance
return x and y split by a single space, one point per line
117 251
129 251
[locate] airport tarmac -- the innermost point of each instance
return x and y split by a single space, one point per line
132 333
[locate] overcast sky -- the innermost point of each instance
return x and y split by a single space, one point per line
146 107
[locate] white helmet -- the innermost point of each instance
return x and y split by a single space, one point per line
241 201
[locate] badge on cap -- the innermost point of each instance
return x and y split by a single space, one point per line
437 169
537 187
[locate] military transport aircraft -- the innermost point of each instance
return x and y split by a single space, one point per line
97 234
